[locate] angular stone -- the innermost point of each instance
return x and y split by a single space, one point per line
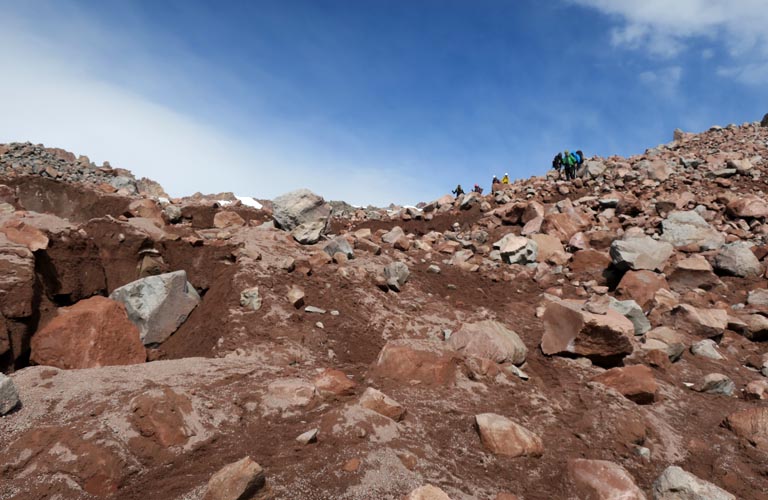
489 340
568 329
502 436
751 424
299 207
632 311
748 206
393 235
423 361
737 259
309 233
686 229
550 249
92 333
700 322
706 348
23 234
693 272
752 326
382 404
158 305
427 492
716 383
635 382
296 297
676 484
17 279
251 299
641 286
757 389
336 382
308 437
9 398
339 245
758 298
226 219
242 480
288 394
640 253
602 480
396 274
517 249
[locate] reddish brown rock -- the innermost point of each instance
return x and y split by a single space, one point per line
242 480
562 225
158 416
641 286
94 332
635 382
490 340
419 361
23 234
693 272
17 288
550 249
502 436
592 263
601 337
602 480
382 404
700 322
146 208
750 424
334 382
226 219
749 206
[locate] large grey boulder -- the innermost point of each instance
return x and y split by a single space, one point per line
737 259
339 245
158 305
677 484
640 253
517 249
689 228
302 206
592 169
9 398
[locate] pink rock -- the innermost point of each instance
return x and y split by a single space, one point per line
334 382
502 436
241 480
752 425
635 382
420 361
427 492
382 404
602 480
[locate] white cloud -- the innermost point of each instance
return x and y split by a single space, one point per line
53 95
665 81
664 28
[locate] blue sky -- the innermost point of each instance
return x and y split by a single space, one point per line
373 101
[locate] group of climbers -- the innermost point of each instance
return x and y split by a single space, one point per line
459 191
568 162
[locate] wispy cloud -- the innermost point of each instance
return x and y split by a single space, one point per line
665 81
666 29
66 95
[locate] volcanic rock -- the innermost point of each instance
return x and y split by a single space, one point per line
700 322
516 249
502 436
716 383
640 286
693 272
489 340
687 229
396 274
251 299
427 492
17 288
94 332
339 245
706 348
737 259
334 382
569 329
423 361
749 206
9 398
300 207
158 305
241 480
750 424
226 219
676 484
635 382
382 404
640 253
602 480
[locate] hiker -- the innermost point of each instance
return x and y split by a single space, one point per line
579 159
505 179
495 180
478 189
557 162
458 191
569 162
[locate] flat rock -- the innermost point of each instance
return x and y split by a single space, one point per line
641 286
502 436
158 305
716 383
336 382
602 480
676 484
748 206
94 332
635 382
489 340
420 361
700 322
227 219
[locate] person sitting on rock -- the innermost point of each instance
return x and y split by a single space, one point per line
505 179
477 189
458 191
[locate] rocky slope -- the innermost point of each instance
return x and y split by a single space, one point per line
597 339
